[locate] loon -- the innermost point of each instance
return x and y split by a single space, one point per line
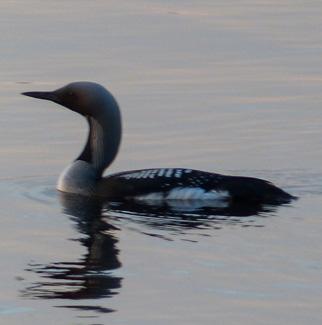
84 175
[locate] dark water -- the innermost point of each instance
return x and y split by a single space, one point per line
214 85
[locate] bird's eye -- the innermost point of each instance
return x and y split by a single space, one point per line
71 94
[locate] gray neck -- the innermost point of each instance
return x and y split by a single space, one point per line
103 142
104 139
102 145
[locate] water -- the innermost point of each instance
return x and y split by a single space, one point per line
223 86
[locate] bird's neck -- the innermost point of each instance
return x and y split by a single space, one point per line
103 141
102 145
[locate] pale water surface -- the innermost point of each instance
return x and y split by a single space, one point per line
227 86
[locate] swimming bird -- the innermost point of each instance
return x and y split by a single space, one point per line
84 176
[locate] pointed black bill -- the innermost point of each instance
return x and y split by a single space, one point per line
48 95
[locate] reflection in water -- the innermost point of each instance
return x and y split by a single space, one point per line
90 277
188 214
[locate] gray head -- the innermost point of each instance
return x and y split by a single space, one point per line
101 110
83 97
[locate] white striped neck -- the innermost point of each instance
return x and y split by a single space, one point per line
103 140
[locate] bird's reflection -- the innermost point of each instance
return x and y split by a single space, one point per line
91 276
181 215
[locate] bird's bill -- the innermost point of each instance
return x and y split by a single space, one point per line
47 95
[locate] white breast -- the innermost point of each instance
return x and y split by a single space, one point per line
78 178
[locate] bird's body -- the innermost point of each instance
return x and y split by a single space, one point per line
165 184
84 175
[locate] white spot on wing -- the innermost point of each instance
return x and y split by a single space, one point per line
168 172
137 175
153 173
161 172
145 174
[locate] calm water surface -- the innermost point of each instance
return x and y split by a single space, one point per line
222 86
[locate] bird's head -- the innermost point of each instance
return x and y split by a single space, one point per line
83 97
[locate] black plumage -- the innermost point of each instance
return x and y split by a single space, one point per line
132 184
